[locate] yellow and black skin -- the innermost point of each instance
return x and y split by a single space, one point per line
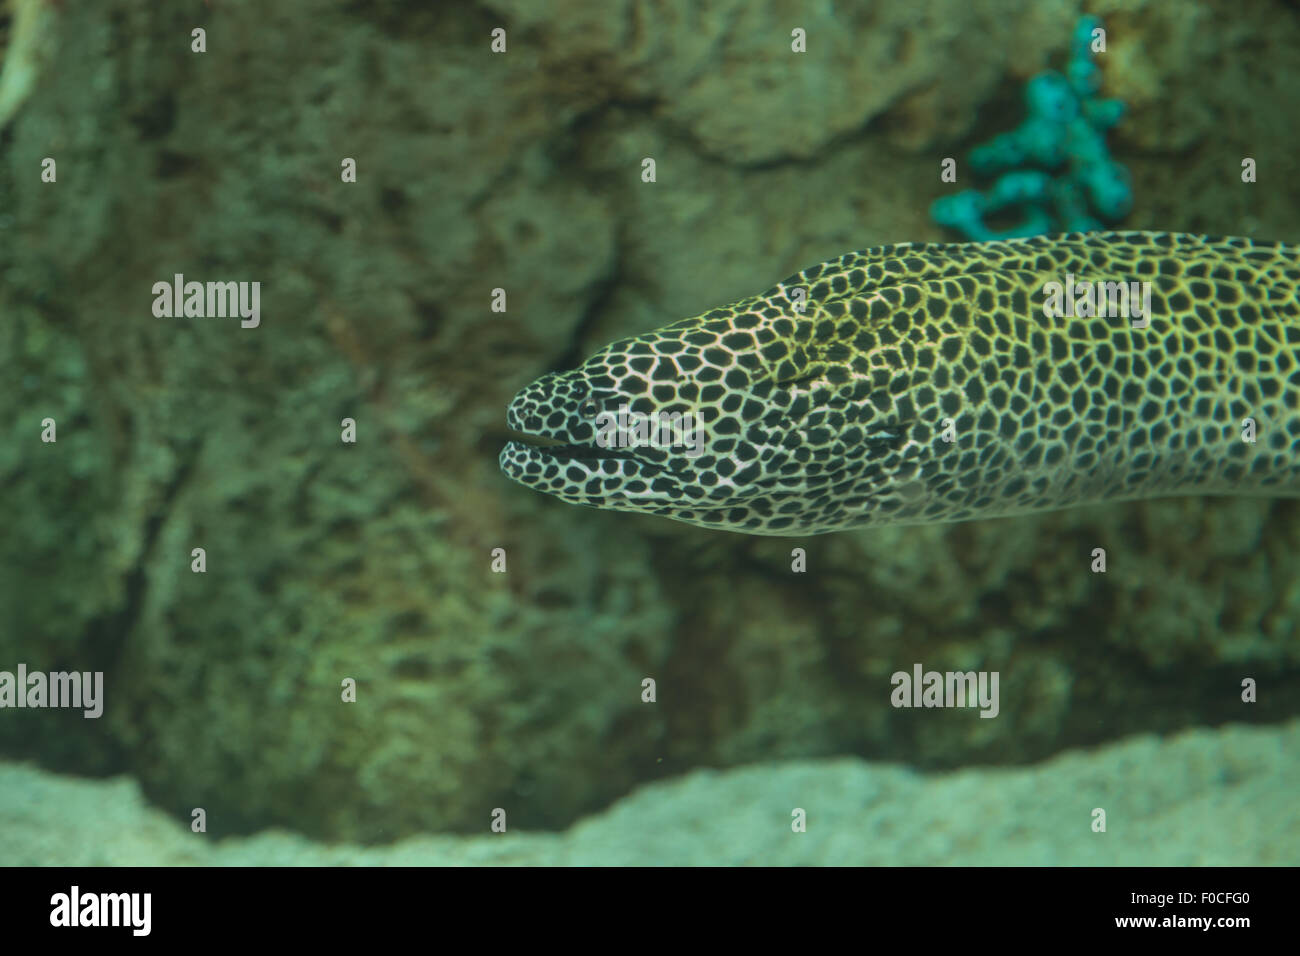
923 383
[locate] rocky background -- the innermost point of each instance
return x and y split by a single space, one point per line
1223 797
522 170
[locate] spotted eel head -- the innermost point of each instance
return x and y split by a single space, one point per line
924 382
778 433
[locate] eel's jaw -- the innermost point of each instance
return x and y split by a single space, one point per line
582 474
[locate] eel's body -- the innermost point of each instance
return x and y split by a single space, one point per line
924 383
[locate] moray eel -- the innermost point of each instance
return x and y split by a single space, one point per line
923 382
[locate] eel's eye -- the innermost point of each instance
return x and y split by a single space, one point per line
588 408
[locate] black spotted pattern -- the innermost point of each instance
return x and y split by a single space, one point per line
923 383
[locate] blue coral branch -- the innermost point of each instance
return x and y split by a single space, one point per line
1054 171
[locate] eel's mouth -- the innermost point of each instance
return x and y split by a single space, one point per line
545 447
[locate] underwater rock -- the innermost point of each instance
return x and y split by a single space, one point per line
373 561
1204 798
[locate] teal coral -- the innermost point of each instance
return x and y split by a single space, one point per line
1055 166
